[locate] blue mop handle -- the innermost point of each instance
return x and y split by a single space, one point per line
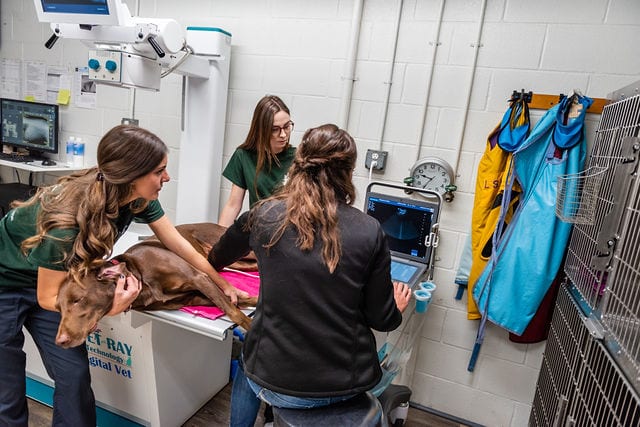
474 357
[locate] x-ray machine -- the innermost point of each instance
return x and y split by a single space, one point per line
136 52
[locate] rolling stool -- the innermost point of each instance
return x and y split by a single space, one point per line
362 410
395 403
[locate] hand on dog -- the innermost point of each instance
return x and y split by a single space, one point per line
402 295
234 294
127 290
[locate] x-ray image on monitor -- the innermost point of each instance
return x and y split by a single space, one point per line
31 126
35 130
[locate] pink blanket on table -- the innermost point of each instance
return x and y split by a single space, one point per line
248 281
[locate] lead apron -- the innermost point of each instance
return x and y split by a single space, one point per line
490 185
527 257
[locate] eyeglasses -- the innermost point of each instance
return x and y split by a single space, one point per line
277 130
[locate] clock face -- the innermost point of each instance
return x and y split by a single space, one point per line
431 176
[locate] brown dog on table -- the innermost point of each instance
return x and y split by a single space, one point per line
168 282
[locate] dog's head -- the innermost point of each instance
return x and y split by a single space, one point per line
82 305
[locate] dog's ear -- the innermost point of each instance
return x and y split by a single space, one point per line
111 269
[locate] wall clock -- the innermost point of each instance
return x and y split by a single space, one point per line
434 174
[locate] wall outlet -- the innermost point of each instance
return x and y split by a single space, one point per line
380 158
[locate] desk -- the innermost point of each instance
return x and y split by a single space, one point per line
37 166
149 368
10 191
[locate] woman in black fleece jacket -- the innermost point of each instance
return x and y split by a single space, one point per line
325 282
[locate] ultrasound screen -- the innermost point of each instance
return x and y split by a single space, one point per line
406 223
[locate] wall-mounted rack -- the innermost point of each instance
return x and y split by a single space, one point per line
540 101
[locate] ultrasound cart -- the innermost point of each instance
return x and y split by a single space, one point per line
411 226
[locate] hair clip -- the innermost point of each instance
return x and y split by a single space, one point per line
100 176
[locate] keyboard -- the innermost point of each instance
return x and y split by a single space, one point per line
15 157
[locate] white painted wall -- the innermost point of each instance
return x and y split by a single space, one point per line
296 49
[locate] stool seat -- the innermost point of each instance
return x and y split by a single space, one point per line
362 410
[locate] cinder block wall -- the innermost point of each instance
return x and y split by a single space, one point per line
297 50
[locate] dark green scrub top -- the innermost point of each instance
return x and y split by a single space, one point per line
241 170
18 270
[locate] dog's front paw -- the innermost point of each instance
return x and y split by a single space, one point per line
246 302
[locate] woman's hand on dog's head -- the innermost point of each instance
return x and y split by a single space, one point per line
127 290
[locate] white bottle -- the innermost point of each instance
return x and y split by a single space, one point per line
78 154
69 153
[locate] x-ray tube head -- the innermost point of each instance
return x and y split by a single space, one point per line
166 32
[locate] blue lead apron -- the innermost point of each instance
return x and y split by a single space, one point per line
490 189
528 255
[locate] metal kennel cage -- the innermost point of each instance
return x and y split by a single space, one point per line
590 372
580 384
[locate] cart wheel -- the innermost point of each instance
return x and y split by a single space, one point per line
399 422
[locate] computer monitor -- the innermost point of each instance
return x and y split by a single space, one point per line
87 12
32 126
406 222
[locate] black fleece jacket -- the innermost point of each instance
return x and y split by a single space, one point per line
311 332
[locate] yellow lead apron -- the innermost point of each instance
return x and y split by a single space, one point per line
490 183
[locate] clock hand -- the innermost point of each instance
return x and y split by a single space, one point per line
429 178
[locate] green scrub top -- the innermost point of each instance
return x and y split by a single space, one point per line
19 270
241 170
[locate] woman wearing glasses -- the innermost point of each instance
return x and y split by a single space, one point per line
260 164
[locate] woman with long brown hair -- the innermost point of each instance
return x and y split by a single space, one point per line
68 229
325 281
260 164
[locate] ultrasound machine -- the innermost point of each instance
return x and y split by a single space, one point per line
411 227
